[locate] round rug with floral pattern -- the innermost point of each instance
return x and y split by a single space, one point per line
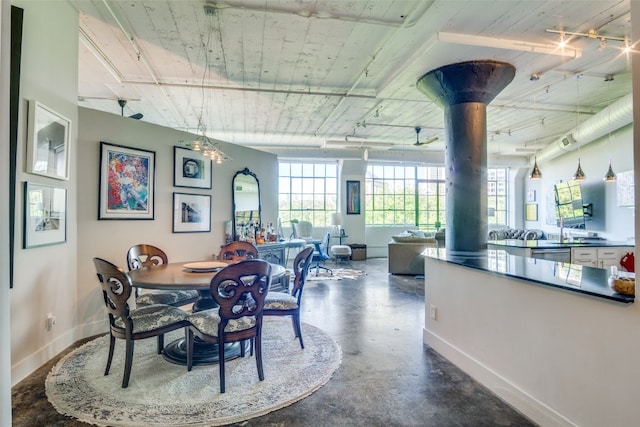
164 394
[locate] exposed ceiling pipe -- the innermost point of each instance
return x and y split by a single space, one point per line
610 119
425 7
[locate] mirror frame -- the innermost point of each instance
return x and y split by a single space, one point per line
245 172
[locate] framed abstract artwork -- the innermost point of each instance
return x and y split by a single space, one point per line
47 142
45 215
127 182
191 169
353 197
191 213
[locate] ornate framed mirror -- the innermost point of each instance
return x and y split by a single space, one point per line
246 202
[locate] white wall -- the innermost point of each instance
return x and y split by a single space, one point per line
561 358
594 158
110 239
45 278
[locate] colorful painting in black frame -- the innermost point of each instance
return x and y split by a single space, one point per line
353 197
127 182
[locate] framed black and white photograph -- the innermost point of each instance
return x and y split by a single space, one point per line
531 196
45 215
191 169
191 213
47 142
127 182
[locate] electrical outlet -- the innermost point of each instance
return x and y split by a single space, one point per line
433 312
51 321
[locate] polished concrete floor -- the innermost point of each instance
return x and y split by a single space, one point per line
387 376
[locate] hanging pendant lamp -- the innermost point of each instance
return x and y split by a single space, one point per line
535 173
579 175
610 176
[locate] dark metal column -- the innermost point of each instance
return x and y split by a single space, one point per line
464 90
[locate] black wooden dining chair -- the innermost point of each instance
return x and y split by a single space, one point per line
288 304
238 251
240 290
143 255
132 324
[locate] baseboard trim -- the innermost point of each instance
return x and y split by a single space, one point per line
518 398
28 365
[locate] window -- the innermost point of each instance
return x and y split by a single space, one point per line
307 192
416 196
497 192
405 195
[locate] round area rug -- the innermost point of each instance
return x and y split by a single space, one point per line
164 394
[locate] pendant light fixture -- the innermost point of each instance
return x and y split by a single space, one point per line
610 176
579 175
203 144
535 173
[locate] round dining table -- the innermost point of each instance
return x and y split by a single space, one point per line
175 276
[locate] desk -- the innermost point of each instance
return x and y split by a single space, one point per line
340 237
173 277
292 243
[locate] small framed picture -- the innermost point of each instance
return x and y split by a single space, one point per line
531 196
353 197
45 215
47 142
191 169
127 181
191 213
531 212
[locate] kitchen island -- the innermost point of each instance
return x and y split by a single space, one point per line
549 338
592 253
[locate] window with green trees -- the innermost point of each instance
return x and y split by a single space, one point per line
416 196
307 192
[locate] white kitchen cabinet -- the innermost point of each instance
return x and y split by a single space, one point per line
608 257
599 257
584 256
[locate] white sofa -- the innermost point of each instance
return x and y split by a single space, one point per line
405 252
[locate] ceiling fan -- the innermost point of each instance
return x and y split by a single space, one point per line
122 103
428 141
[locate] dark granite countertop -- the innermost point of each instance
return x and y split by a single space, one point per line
570 277
554 244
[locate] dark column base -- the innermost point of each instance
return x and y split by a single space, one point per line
204 353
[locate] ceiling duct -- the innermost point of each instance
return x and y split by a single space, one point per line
612 118
358 143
